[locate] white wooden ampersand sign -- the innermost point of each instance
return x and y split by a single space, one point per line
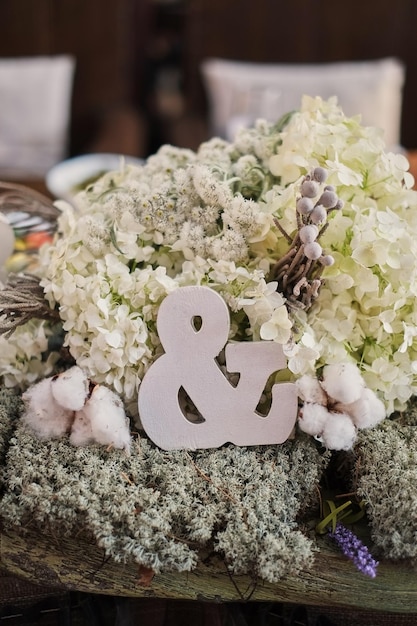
189 362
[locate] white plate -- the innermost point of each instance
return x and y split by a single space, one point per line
63 178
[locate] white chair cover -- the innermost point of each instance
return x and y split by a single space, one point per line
35 107
239 92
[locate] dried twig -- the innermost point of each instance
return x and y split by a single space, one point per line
21 300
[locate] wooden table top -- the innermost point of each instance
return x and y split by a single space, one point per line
332 581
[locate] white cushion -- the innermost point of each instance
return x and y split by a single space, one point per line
239 92
35 106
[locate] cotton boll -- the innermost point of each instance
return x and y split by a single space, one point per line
42 414
343 382
109 424
339 432
310 390
313 418
81 432
367 411
377 410
70 389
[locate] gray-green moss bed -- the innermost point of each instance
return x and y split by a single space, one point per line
386 475
162 509
10 409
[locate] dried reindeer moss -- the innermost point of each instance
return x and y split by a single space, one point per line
10 407
386 467
161 509
165 509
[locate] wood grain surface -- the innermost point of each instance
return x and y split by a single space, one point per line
333 580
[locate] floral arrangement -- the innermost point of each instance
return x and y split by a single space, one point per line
308 230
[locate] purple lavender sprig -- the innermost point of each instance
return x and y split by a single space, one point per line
353 548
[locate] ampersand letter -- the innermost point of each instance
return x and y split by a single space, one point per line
190 363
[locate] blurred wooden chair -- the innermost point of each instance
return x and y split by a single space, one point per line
300 33
239 91
35 111
101 41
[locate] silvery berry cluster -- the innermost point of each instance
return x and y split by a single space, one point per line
299 272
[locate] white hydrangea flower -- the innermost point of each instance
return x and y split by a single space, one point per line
22 361
278 328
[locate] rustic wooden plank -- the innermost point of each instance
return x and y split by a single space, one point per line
333 580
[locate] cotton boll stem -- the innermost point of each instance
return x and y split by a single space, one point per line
329 198
308 233
310 188
305 260
319 174
313 250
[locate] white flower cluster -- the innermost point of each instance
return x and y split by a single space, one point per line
219 217
25 355
65 404
138 234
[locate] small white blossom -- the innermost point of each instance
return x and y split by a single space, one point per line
278 328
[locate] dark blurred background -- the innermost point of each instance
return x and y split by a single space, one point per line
137 81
